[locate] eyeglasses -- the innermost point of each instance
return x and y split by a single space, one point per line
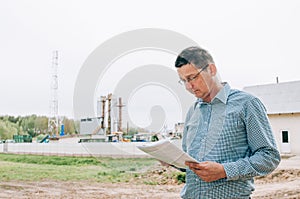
194 77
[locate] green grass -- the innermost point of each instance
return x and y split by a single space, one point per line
37 168
52 160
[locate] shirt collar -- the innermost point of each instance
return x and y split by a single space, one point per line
221 96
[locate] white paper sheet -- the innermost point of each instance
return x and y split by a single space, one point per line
166 151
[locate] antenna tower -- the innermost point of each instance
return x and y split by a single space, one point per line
53 117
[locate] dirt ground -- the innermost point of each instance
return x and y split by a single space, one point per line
282 183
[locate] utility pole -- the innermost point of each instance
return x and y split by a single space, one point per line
103 100
109 98
127 128
120 105
53 117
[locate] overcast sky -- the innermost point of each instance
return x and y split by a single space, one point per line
252 42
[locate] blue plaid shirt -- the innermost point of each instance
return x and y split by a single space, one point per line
233 130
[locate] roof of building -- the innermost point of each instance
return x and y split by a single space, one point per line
278 98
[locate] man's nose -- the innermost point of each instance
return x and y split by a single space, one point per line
188 85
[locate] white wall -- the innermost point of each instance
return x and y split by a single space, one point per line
89 125
107 149
290 123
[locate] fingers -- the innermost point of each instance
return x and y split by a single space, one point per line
207 171
203 174
196 165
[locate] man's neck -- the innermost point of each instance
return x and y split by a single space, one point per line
214 91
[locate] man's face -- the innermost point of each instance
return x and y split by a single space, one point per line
195 81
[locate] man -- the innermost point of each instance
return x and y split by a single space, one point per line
226 130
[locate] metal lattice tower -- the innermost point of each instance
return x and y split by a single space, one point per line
53 116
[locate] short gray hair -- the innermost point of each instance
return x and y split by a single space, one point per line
194 55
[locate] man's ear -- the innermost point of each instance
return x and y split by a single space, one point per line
212 69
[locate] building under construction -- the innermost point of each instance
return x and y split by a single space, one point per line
106 125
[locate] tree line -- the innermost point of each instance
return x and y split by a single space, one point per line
32 125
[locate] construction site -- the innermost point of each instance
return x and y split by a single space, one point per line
99 135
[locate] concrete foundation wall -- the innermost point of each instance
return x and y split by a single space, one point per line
105 149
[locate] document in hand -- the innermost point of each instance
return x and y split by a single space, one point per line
168 152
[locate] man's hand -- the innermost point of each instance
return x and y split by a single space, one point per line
207 171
